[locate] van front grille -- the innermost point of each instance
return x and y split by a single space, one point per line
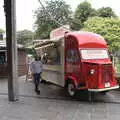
107 73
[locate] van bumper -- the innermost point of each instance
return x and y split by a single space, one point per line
104 89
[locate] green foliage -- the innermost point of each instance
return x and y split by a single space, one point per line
106 12
109 28
1 34
82 12
58 10
1 31
118 68
25 37
31 51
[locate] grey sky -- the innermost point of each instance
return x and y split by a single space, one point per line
25 10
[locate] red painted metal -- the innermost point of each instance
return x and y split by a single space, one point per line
80 70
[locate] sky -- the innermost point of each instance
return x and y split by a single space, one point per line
25 8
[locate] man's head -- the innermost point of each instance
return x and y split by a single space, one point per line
36 58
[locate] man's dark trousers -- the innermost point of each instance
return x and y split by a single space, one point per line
37 77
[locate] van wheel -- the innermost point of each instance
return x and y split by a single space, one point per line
70 88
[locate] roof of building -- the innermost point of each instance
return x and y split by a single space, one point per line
3 45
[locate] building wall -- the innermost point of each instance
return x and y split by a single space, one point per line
22 68
22 65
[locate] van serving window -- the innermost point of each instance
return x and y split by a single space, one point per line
50 55
94 54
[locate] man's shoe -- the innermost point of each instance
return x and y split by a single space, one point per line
38 92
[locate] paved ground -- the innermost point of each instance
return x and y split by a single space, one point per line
34 107
51 91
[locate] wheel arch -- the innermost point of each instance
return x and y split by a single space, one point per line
70 78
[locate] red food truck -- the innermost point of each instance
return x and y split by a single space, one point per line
78 61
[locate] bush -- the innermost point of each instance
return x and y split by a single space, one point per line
118 68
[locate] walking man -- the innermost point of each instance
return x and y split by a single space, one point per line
36 69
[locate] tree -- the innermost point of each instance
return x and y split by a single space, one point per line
106 12
109 28
1 34
1 31
47 19
82 12
31 51
25 37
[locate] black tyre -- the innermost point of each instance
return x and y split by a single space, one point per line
71 89
103 93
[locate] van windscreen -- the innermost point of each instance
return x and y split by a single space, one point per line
94 54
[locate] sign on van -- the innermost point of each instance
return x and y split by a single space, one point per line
59 32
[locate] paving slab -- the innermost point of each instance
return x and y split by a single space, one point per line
52 104
50 91
44 109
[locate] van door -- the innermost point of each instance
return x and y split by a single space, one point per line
73 65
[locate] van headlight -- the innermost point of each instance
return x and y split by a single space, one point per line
92 71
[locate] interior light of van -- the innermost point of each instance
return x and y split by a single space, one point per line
92 71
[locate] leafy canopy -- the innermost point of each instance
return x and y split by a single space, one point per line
82 12
106 12
1 34
25 37
54 10
109 28
1 31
